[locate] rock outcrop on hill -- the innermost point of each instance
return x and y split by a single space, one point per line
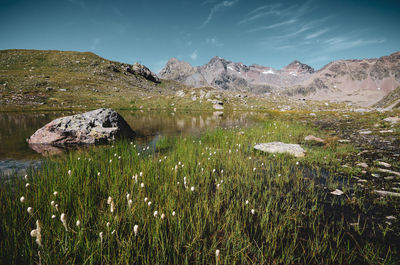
362 82
97 126
145 72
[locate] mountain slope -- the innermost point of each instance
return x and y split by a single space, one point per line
362 82
64 78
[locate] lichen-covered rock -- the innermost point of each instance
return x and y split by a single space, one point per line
97 126
279 147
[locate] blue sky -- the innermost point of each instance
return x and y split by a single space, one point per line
270 33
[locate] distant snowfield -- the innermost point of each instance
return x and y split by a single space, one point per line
269 72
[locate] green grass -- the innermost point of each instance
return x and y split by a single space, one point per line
296 220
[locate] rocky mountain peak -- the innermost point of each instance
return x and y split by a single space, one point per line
216 60
297 66
176 70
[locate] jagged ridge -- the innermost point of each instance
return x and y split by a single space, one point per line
363 82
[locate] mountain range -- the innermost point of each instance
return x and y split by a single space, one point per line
362 82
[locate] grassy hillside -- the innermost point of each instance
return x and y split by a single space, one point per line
62 79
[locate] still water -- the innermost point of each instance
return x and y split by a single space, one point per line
16 127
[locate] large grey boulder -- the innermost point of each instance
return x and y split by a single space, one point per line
97 126
279 147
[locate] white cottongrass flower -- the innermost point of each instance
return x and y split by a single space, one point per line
297 163
128 196
26 177
69 172
22 199
53 216
63 219
218 186
110 202
108 224
134 177
36 233
52 203
110 160
173 213
56 206
149 203
30 210
140 174
135 229
217 253
101 235
247 202
130 203
98 174
155 213
55 193
142 185
146 199
113 232
78 223
27 185
253 211
162 216
192 188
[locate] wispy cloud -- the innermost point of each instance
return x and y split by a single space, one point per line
94 45
265 7
193 56
216 8
343 43
291 13
316 34
260 12
272 26
214 42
